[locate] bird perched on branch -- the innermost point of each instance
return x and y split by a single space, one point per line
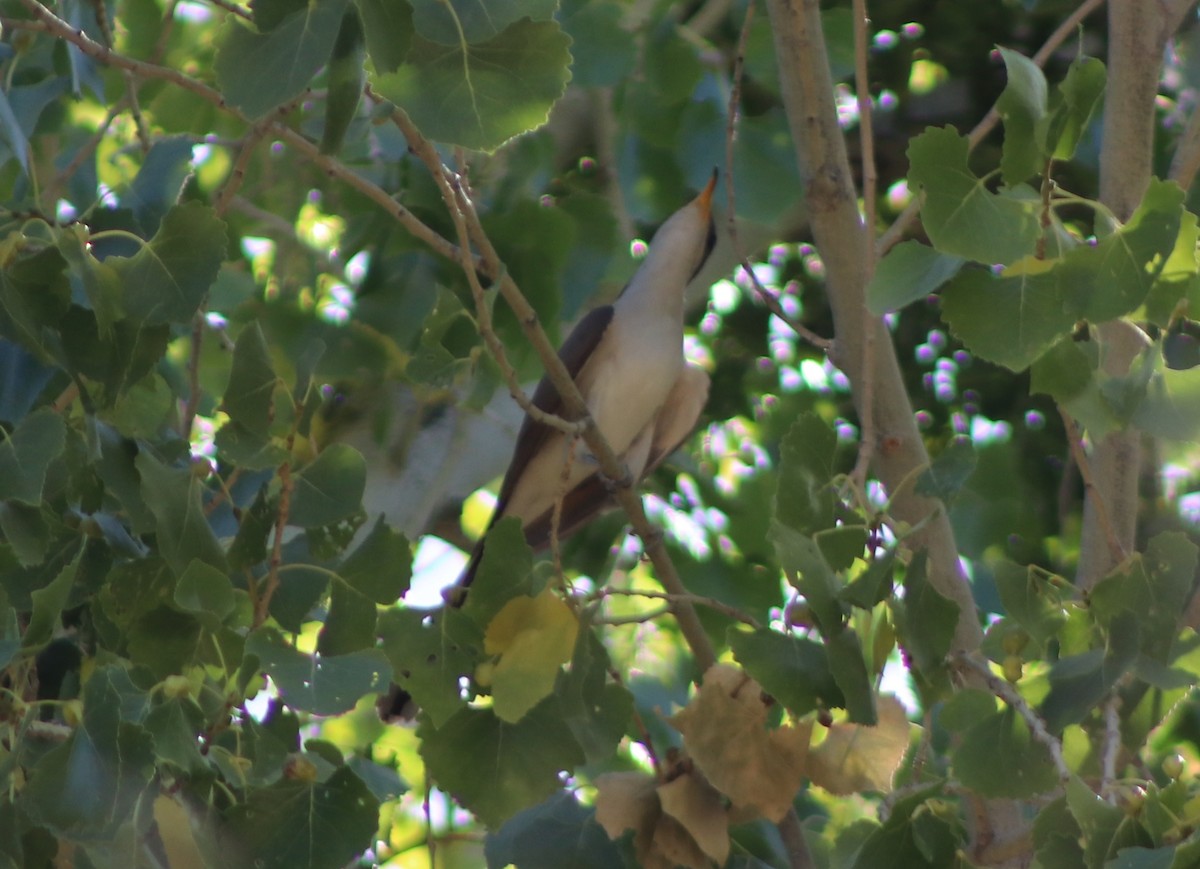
627 361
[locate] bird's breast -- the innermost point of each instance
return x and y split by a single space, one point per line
630 376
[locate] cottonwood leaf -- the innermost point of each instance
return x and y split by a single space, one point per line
1078 99
908 272
725 731
1012 318
330 488
381 566
319 825
321 684
481 95
258 71
554 833
248 397
173 495
1022 105
630 801
27 452
451 22
961 216
804 496
388 27
855 758
794 670
700 810
165 281
530 639
1114 276
430 653
523 760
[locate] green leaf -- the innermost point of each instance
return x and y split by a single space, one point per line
523 760
804 498
1022 105
165 641
258 71
874 584
602 51
330 489
48 603
926 619
499 88
1030 600
248 397
949 472
349 625
908 272
430 652
1170 406
104 756
381 566
849 669
165 281
389 31
1079 97
451 22
159 181
1010 319
34 296
597 710
961 216
999 757
1097 819
793 670
842 545
1114 277
318 825
13 135
323 685
174 497
557 832
505 571
176 725
27 453
206 592
812 576
346 78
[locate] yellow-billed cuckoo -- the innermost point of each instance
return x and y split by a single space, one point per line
627 360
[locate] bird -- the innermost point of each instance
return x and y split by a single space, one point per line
627 360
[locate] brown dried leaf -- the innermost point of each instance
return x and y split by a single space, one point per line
673 846
630 801
856 758
626 801
699 808
724 730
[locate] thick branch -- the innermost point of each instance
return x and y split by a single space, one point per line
844 245
1137 34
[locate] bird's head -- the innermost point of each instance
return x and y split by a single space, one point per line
683 243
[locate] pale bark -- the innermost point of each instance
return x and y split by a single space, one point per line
846 247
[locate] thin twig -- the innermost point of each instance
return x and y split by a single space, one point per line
1005 691
896 232
694 599
1075 441
735 99
192 406
865 394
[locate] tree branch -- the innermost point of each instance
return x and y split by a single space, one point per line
1137 36
844 246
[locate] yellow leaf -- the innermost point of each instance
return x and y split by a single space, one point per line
725 732
1029 265
532 637
856 758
